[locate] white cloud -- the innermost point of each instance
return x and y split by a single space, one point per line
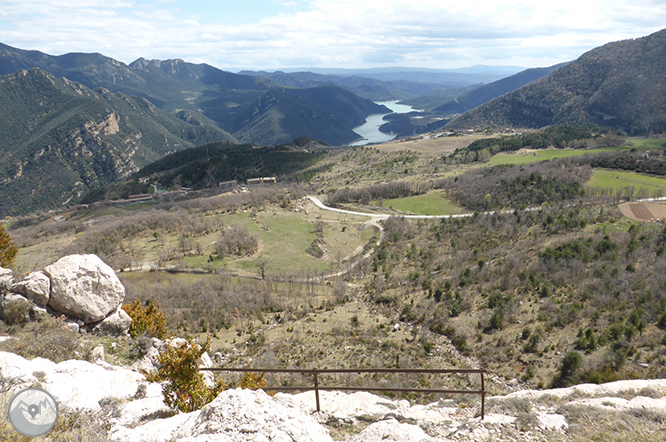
334 33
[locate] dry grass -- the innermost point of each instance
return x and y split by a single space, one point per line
431 147
591 424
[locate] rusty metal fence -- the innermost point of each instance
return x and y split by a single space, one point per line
315 372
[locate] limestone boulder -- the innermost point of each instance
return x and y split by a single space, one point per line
85 287
6 278
247 415
116 324
36 287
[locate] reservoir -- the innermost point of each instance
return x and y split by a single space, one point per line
370 130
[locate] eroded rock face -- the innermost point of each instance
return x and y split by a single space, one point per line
35 287
85 287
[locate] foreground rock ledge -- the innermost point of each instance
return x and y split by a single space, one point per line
244 415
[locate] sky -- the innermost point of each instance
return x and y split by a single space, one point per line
284 34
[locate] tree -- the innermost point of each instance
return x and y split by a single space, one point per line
8 249
185 388
148 319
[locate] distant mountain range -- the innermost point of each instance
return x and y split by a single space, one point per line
208 95
59 139
74 122
618 85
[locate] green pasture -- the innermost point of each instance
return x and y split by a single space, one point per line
524 157
431 203
619 180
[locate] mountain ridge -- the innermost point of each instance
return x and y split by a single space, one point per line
616 85
60 138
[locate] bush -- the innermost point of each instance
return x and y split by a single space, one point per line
253 381
236 241
146 320
8 249
47 338
570 365
17 311
184 388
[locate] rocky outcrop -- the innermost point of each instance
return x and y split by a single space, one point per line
6 278
35 287
85 287
116 324
139 413
82 287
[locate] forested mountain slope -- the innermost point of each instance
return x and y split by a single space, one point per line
619 85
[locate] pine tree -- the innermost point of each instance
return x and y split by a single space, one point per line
8 249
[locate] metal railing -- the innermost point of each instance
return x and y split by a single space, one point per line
315 372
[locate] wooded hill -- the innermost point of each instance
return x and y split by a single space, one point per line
618 85
60 139
205 166
326 113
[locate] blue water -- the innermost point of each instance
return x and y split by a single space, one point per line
369 132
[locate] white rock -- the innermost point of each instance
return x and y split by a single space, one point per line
176 342
116 324
205 361
149 408
75 384
84 287
160 430
247 415
149 361
36 287
97 353
345 406
6 278
552 422
72 326
392 430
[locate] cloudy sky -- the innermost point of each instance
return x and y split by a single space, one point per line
280 34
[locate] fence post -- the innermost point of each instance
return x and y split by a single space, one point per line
316 388
483 397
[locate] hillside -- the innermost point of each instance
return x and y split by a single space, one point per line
60 139
206 166
618 85
327 113
487 92
555 287
240 104
170 84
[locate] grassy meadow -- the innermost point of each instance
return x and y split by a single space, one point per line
620 180
431 203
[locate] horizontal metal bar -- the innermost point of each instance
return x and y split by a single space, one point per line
403 390
347 370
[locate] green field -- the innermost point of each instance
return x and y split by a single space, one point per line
431 203
618 180
524 157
